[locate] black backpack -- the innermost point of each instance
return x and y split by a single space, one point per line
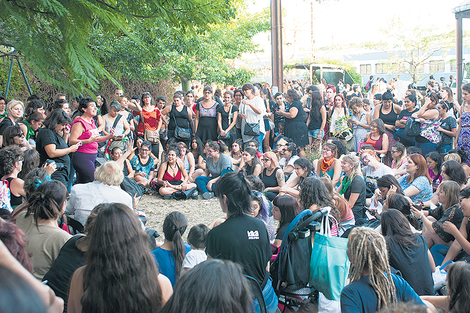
412 127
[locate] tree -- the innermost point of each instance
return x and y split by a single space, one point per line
410 48
54 36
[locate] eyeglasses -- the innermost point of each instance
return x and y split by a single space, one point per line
393 151
265 160
21 135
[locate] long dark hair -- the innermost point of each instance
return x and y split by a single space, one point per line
395 227
120 273
313 191
399 202
316 104
212 286
388 181
250 168
237 191
458 284
288 207
174 227
436 157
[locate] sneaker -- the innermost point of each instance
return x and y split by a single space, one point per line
208 195
195 195
167 197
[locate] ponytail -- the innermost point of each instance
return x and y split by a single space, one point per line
47 202
174 227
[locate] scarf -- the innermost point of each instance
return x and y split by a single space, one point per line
345 182
326 165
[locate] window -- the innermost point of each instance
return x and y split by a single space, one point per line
380 68
437 66
365 69
453 66
420 68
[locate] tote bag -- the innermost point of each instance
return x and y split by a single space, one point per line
329 264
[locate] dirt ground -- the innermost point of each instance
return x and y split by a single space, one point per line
196 211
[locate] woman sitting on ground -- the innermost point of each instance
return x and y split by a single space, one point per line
303 169
285 209
377 137
416 184
118 258
172 175
408 252
372 286
347 215
261 209
143 164
434 163
386 185
188 161
328 165
399 159
448 210
272 175
236 153
353 187
170 255
401 203
288 157
39 223
250 163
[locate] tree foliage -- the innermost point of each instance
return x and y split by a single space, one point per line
65 41
411 47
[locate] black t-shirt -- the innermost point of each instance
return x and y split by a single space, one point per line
69 259
448 124
181 118
244 240
281 232
413 263
46 137
357 186
270 181
5 123
404 114
224 115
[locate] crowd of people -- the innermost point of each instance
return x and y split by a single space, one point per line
394 173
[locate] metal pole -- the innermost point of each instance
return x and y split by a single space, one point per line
459 70
24 76
9 77
276 54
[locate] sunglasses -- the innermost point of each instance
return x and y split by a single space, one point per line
265 160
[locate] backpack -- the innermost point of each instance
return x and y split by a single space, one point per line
367 87
5 196
412 127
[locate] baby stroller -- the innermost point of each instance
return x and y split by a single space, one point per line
290 270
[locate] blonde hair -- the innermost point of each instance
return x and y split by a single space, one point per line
13 103
369 253
110 173
453 156
451 190
353 160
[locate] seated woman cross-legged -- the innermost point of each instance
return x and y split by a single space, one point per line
143 164
172 175
272 175
448 210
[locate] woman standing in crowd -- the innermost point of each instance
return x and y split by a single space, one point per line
378 137
464 125
180 116
250 163
408 252
352 187
399 159
452 104
285 209
216 162
170 255
268 103
448 210
328 165
39 223
372 286
84 130
316 120
229 240
118 245
121 129
388 112
172 175
237 101
227 119
360 120
447 128
251 112
151 124
409 104
206 116
272 176
338 115
143 165
190 102
15 110
429 117
416 183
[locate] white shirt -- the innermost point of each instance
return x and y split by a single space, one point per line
252 117
193 258
84 197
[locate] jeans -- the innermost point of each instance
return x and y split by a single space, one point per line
260 140
270 298
426 147
439 253
313 133
444 149
201 183
404 139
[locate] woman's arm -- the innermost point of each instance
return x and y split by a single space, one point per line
257 170
252 106
129 169
377 112
127 130
293 111
192 163
219 122
77 131
281 181
16 187
352 199
234 121
441 302
337 174
385 144
161 172
323 120
53 153
101 123
452 132
165 287
74 304
196 123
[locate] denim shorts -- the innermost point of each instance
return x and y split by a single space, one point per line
314 133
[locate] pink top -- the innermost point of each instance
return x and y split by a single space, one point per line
90 130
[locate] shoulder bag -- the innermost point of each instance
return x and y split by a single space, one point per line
180 132
251 129
151 135
412 127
